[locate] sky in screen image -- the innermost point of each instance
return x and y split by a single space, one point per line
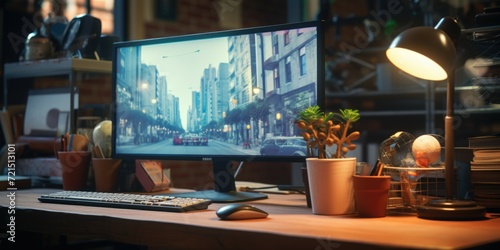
183 64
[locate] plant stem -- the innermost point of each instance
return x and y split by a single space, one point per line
342 139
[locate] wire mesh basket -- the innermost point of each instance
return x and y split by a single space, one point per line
411 187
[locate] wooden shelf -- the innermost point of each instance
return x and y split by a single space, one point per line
53 67
68 67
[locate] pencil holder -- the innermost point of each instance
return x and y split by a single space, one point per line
75 169
106 173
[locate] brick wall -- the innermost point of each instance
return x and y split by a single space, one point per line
92 90
205 16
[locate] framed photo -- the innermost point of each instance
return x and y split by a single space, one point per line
48 112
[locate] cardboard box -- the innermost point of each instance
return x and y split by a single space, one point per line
151 176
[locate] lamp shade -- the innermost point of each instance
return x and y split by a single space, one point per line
423 52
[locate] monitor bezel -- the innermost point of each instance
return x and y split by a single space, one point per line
208 35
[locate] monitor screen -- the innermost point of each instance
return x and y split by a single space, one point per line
221 97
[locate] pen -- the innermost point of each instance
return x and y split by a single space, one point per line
70 143
66 137
63 143
377 168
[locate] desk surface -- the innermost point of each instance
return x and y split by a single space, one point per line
290 225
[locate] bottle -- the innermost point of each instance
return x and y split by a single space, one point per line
38 46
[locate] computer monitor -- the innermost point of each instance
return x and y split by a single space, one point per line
223 97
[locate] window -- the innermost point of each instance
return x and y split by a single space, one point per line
276 76
245 96
302 59
288 70
102 9
275 45
287 37
243 80
300 32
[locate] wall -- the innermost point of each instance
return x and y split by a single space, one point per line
203 16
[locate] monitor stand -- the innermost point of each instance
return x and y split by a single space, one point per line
224 186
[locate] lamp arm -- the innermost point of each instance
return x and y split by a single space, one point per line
449 137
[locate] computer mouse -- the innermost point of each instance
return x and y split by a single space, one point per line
240 212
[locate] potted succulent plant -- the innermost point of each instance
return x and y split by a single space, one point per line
329 171
320 131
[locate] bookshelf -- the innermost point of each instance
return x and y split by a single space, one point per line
73 69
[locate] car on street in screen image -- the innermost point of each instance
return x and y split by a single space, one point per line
177 140
195 139
284 145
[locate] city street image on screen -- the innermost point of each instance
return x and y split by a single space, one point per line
220 96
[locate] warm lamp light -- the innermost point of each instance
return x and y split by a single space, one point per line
419 65
429 53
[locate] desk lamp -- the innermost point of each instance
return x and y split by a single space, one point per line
429 53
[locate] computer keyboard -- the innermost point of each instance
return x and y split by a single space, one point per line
125 200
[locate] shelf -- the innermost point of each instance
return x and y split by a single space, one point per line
469 111
68 67
484 110
361 94
53 67
393 100
490 28
391 113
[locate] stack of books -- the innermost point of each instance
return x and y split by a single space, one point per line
485 170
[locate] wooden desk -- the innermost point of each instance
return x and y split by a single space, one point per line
290 225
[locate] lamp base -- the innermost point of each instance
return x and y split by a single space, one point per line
451 210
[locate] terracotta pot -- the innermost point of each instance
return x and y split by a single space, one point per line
106 173
330 185
75 169
371 194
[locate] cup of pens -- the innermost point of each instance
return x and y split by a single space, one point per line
371 191
105 170
75 161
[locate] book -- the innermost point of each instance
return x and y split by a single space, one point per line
486 158
491 176
487 141
6 124
487 153
485 170
487 194
151 176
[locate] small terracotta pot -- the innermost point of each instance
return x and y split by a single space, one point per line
75 169
106 173
371 194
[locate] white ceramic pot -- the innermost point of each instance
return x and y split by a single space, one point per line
331 186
